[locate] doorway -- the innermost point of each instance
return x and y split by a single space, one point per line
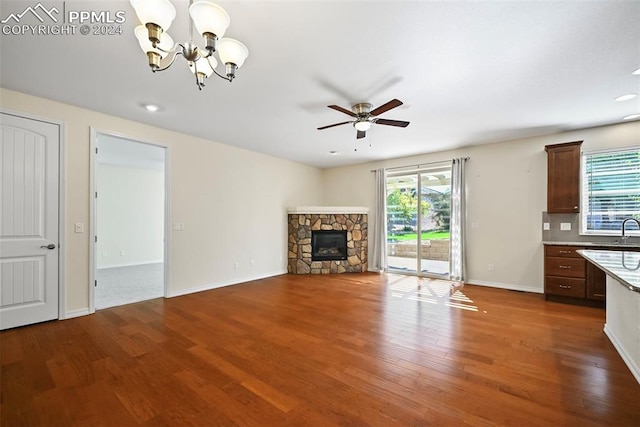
418 220
130 221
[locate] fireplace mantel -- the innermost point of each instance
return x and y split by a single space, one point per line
328 210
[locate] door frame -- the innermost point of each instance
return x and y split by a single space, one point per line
93 211
62 175
418 171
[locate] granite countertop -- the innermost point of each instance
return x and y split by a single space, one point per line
598 244
624 266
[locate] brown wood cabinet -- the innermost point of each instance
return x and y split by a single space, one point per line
596 283
570 278
563 177
564 272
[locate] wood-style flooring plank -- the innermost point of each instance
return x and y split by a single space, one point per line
321 350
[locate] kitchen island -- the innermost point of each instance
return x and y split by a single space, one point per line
622 326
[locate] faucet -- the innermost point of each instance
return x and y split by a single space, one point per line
624 237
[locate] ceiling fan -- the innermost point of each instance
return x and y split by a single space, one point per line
365 116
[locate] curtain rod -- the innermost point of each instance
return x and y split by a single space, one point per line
419 165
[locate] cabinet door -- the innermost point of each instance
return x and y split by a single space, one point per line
563 177
565 286
596 283
565 267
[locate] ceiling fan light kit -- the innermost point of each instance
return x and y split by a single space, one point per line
210 20
365 117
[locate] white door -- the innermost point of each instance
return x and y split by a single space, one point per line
29 163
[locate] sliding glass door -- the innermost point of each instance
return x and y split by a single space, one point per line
418 220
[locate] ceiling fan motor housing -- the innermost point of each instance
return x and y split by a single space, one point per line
362 109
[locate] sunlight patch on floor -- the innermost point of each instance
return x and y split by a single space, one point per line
431 291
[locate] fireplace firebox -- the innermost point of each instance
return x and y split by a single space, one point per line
328 245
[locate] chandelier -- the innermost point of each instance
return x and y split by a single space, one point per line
210 20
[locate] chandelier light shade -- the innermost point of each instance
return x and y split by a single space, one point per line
159 12
203 66
209 18
211 22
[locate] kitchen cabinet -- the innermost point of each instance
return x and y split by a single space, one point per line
568 277
564 272
563 177
596 283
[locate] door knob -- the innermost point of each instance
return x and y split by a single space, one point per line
49 246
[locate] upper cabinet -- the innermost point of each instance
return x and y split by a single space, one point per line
563 177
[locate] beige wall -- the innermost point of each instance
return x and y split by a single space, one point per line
506 194
130 215
232 201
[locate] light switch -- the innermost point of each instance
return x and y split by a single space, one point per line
546 226
79 227
565 226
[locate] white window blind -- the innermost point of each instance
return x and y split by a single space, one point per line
611 190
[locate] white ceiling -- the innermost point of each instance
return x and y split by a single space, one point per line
468 73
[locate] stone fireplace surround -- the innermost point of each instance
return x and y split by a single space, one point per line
302 220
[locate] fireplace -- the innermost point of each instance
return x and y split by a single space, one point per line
313 251
328 245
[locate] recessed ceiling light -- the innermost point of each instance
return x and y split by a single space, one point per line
151 107
626 97
631 117
636 72
333 153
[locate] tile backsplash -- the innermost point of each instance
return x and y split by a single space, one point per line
557 234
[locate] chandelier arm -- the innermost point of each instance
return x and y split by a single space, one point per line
156 45
173 58
227 78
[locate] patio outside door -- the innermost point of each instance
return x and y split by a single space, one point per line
418 218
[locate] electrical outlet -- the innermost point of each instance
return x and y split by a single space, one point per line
490 267
236 265
178 226
104 254
121 253
253 262
546 226
475 225
565 226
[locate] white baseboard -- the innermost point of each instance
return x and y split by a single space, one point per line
211 286
131 264
628 360
75 313
507 286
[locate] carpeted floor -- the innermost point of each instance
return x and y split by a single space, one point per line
126 285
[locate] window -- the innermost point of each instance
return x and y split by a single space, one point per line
610 190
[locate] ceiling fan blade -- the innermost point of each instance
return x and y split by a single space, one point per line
342 110
388 122
361 134
386 107
335 124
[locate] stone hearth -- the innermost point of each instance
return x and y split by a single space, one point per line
304 220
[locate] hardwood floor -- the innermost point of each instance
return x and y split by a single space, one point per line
349 349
